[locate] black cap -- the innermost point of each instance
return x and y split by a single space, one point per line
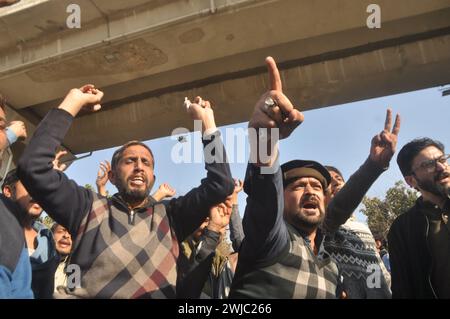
296 169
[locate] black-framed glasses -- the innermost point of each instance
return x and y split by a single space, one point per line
430 165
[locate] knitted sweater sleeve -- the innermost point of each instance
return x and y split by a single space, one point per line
350 196
64 201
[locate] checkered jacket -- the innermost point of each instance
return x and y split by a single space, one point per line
297 273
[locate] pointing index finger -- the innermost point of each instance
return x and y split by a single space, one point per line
274 75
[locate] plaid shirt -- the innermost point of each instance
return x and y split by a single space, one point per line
275 261
297 273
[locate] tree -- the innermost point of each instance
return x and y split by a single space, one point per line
381 213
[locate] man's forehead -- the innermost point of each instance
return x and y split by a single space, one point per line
310 179
135 150
60 227
430 152
335 175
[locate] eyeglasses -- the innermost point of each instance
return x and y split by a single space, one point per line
430 165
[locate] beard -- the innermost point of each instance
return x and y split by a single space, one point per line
433 186
133 195
306 222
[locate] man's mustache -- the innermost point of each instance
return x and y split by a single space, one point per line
441 176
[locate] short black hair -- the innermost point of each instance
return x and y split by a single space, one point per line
408 152
334 169
119 152
10 179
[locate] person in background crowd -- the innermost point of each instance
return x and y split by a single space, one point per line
381 245
63 242
15 266
39 240
205 270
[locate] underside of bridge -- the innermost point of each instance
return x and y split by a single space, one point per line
148 55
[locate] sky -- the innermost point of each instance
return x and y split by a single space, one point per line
339 136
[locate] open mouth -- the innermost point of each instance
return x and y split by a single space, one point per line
64 244
443 178
137 181
310 206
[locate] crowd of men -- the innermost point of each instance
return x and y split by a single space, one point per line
297 238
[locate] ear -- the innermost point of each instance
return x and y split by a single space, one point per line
411 181
7 191
112 177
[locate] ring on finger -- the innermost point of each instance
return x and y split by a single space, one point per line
269 103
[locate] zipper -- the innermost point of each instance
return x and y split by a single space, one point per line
131 218
428 246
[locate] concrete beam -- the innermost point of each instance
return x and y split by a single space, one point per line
147 57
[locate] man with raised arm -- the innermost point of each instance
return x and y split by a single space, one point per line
125 246
285 206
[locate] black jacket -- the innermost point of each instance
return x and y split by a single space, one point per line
409 254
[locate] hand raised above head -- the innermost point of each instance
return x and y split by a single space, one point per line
102 174
19 128
201 110
57 164
87 97
219 217
166 190
384 144
274 109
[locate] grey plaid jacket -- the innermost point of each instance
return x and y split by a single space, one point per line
297 273
275 261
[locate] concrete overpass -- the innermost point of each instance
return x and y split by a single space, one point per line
148 55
